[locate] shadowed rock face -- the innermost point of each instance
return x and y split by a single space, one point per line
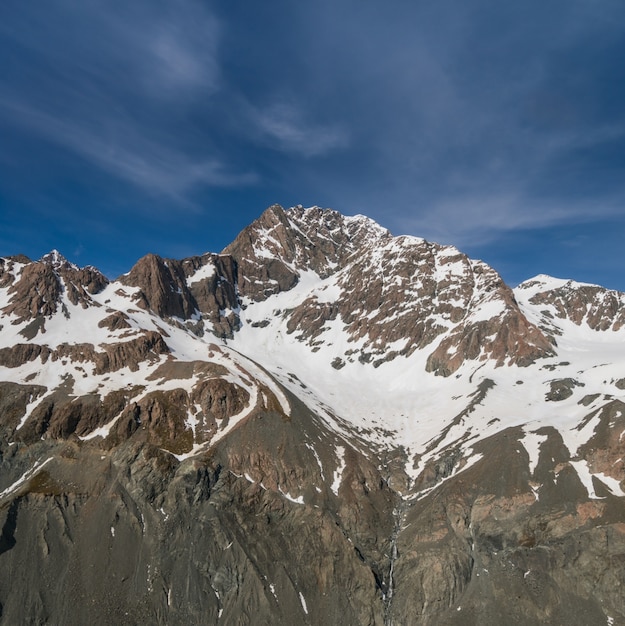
37 292
164 289
170 454
136 536
491 548
132 534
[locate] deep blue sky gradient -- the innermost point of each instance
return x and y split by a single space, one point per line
168 126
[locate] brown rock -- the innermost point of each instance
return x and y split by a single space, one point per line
163 287
36 293
216 296
605 450
22 353
165 291
601 309
147 346
115 321
271 252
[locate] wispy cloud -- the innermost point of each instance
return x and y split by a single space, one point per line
463 122
479 220
284 127
474 121
529 194
116 47
173 52
118 147
100 93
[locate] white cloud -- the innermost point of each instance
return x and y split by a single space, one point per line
285 127
479 220
135 46
173 52
113 84
119 147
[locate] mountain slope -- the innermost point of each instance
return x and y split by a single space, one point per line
322 424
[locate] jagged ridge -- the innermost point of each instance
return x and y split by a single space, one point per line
322 424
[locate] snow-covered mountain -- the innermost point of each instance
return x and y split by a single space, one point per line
322 424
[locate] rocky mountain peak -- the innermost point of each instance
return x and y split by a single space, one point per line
583 304
78 282
200 291
391 296
57 261
37 290
324 424
347 233
282 244
162 287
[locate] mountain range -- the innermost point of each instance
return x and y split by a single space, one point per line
322 424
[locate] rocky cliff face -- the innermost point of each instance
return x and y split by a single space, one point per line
391 295
198 289
274 251
39 290
322 424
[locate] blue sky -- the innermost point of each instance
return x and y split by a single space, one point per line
168 126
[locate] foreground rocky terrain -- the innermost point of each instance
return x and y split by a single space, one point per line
323 424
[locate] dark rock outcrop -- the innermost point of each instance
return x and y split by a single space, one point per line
165 289
21 353
37 292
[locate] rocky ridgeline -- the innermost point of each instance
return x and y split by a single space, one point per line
152 472
274 250
596 307
165 289
34 292
391 290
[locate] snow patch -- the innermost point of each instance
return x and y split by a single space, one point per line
303 601
314 451
612 484
205 272
531 442
583 471
272 588
298 500
338 472
25 477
